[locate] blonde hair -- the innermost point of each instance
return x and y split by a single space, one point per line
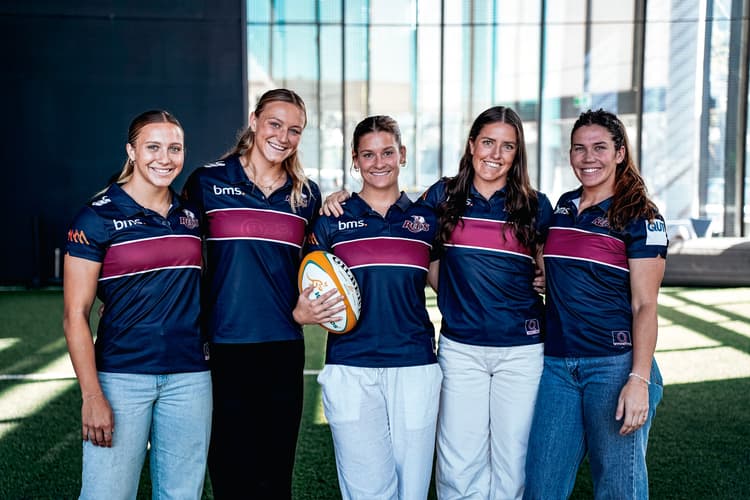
291 165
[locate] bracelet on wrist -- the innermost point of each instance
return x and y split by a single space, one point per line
92 396
633 374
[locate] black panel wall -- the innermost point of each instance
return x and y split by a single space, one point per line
74 73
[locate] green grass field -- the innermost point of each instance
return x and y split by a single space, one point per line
699 445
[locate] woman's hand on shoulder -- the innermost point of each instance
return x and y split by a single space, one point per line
332 203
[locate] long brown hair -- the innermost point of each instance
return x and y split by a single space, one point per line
521 201
630 200
291 165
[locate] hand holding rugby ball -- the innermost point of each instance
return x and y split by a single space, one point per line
324 271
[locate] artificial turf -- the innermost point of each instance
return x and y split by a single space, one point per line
699 445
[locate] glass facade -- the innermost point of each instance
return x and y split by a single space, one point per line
674 71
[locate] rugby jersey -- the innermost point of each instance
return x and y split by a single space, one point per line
389 256
149 283
253 251
485 291
588 278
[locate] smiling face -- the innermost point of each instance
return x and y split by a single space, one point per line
493 151
379 158
278 130
594 159
158 154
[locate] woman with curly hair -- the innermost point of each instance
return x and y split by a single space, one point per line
604 261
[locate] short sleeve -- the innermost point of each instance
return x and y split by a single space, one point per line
319 237
87 236
647 239
544 215
192 189
434 195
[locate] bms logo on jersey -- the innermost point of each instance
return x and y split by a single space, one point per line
656 232
416 224
122 224
562 211
230 190
351 224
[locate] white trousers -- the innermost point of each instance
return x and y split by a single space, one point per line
383 424
486 406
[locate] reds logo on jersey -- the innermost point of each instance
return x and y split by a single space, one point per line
190 221
416 224
601 222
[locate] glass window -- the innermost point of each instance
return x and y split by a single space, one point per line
434 65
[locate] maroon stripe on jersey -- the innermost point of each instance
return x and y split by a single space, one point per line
151 254
487 234
246 223
585 245
384 251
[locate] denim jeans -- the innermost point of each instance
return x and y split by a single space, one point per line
172 413
486 407
383 425
575 415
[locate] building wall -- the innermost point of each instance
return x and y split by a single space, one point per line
74 74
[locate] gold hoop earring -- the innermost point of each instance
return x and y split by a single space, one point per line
131 162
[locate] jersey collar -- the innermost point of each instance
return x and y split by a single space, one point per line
129 207
575 199
236 174
362 208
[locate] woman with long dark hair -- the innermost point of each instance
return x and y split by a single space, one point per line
492 227
604 260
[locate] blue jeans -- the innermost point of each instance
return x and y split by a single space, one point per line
172 413
575 415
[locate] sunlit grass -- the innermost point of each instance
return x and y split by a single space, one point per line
698 445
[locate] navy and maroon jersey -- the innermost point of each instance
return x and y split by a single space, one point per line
390 257
588 278
485 291
253 251
149 282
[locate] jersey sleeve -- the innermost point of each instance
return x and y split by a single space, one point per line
544 215
87 236
434 195
319 237
647 239
192 191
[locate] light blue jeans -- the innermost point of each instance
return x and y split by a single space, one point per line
575 415
172 413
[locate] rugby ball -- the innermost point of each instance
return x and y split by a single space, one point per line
324 271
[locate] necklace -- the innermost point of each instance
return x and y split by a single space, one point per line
250 171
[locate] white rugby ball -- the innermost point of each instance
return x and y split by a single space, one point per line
324 271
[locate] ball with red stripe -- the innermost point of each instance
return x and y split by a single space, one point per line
324 271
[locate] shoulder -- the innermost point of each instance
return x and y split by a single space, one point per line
209 170
543 199
435 194
654 231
